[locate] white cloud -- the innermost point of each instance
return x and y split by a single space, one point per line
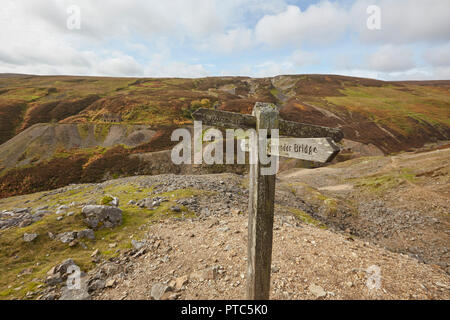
404 21
30 45
230 42
345 61
391 58
412 74
420 73
160 38
119 65
303 58
103 18
179 19
321 23
176 69
438 56
441 73
360 73
34 45
273 68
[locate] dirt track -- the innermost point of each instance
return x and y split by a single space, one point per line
399 202
302 256
409 217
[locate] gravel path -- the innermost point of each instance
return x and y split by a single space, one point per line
304 258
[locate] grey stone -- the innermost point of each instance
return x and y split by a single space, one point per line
53 280
158 290
67 237
28 237
137 245
76 294
110 283
114 202
110 269
42 212
25 223
22 210
49 296
63 267
97 284
223 229
97 217
317 291
87 233
151 203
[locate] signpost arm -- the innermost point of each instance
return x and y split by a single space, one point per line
261 212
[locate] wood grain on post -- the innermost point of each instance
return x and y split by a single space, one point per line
260 213
228 119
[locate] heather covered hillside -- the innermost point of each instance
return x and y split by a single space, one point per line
385 116
392 115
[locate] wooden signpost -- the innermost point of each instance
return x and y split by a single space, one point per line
311 149
227 119
262 187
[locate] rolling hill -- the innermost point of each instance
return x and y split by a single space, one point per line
385 116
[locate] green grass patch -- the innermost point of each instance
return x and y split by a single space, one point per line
275 92
150 113
403 110
27 94
306 218
106 200
42 254
329 202
382 182
83 130
101 131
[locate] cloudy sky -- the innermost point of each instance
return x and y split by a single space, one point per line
196 38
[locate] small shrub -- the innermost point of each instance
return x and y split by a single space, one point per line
106 200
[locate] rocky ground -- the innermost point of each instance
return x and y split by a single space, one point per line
369 228
206 259
399 202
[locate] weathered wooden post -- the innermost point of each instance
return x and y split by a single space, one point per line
260 210
313 143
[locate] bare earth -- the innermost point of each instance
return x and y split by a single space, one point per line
404 232
302 255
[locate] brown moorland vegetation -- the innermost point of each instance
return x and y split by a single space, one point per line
393 116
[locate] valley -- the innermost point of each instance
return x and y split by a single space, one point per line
331 224
81 153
